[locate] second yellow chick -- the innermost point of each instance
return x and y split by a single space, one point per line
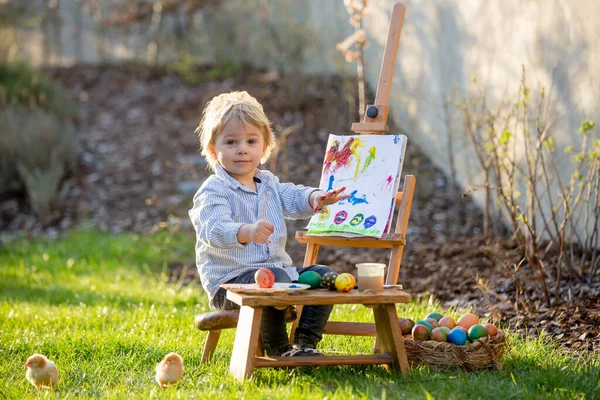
170 370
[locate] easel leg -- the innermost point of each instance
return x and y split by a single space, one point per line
246 342
390 335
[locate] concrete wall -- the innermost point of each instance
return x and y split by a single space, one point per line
444 43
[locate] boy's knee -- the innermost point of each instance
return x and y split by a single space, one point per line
321 269
281 275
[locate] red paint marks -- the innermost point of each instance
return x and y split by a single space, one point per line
339 157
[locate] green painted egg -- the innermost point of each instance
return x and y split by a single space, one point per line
435 315
328 280
310 278
426 325
476 332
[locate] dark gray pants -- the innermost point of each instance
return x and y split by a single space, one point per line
273 326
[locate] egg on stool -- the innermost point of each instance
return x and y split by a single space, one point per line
345 282
328 280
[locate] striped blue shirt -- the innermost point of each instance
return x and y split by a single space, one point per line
222 205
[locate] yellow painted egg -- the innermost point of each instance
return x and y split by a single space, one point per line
345 282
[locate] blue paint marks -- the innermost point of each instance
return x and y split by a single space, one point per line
357 200
330 186
396 139
370 221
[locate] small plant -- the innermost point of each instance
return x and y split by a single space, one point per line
37 152
37 145
555 222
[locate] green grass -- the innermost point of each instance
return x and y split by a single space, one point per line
100 306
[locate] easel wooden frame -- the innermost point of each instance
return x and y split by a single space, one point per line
374 122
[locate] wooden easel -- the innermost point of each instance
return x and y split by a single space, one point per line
375 122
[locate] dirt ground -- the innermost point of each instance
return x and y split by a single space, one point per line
139 151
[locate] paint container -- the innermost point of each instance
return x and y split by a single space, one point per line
370 276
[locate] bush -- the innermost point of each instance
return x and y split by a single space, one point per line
20 84
555 221
37 150
37 146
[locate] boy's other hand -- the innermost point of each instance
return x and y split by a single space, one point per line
261 230
323 199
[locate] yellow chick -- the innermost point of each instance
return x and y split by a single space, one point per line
41 372
169 370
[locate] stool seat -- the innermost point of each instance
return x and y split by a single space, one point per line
215 321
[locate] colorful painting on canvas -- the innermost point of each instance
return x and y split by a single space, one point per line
369 166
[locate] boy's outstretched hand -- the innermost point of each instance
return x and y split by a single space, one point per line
319 199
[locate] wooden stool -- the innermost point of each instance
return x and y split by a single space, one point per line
391 342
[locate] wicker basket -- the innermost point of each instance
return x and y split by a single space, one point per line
486 352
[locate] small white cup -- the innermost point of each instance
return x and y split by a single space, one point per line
370 276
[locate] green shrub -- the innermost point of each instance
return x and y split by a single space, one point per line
20 84
555 221
37 145
37 150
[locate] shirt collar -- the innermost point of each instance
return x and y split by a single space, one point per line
233 183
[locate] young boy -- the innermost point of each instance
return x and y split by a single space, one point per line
239 212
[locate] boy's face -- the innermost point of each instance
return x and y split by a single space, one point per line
239 148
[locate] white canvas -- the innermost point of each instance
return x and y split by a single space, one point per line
370 167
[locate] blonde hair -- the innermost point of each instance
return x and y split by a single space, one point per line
227 106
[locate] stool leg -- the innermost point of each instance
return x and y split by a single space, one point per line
245 343
390 335
260 351
210 345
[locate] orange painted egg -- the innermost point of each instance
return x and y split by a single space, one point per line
448 322
405 326
264 277
490 329
468 320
